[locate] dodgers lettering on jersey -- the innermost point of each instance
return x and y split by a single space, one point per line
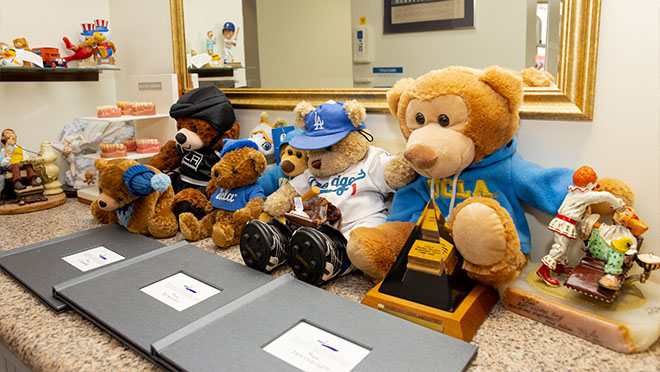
339 184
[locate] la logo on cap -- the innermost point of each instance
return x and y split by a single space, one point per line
318 122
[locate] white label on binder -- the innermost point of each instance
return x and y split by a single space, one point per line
180 291
92 258
313 349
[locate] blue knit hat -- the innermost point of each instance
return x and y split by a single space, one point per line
142 181
231 145
326 125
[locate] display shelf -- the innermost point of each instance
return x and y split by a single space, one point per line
52 74
216 71
88 195
125 118
130 155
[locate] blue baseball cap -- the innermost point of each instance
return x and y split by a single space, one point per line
325 126
229 26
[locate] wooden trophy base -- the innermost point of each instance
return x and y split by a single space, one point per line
628 325
463 323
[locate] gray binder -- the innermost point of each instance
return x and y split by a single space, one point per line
115 298
38 267
235 336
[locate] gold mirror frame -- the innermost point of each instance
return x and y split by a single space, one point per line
573 100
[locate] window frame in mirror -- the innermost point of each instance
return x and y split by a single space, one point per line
573 99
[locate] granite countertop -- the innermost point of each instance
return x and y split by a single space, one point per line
45 341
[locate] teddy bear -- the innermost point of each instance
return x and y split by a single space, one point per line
293 162
138 197
460 125
238 197
204 117
349 173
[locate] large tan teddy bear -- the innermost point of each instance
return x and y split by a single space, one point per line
136 196
237 197
460 125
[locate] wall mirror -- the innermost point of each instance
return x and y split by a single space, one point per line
572 99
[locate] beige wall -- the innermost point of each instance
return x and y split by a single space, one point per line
289 29
498 38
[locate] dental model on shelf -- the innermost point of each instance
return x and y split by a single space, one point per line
126 108
113 150
147 145
108 111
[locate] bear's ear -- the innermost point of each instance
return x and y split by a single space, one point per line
279 123
301 110
100 164
355 111
263 117
394 94
259 161
505 83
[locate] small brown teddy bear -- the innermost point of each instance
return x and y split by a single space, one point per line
204 117
349 173
460 125
136 196
237 199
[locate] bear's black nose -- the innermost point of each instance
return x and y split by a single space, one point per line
180 138
102 204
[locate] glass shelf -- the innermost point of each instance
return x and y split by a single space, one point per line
53 74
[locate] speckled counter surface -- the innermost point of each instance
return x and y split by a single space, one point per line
45 341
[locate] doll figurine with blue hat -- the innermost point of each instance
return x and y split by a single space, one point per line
349 173
230 35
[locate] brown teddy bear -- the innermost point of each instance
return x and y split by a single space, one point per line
349 173
460 125
204 117
238 197
136 196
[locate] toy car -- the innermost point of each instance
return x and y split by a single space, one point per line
51 57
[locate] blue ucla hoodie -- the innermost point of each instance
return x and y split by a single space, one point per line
503 176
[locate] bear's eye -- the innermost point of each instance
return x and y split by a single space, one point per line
120 199
100 190
443 120
329 148
234 170
419 118
299 155
216 173
194 129
290 152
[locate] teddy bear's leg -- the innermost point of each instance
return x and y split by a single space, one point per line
486 237
222 235
163 224
193 229
318 255
374 249
265 246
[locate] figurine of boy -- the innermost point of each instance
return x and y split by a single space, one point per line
210 43
228 31
571 212
14 152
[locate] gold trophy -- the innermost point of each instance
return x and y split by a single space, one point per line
427 285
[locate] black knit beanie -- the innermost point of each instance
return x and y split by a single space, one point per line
205 103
